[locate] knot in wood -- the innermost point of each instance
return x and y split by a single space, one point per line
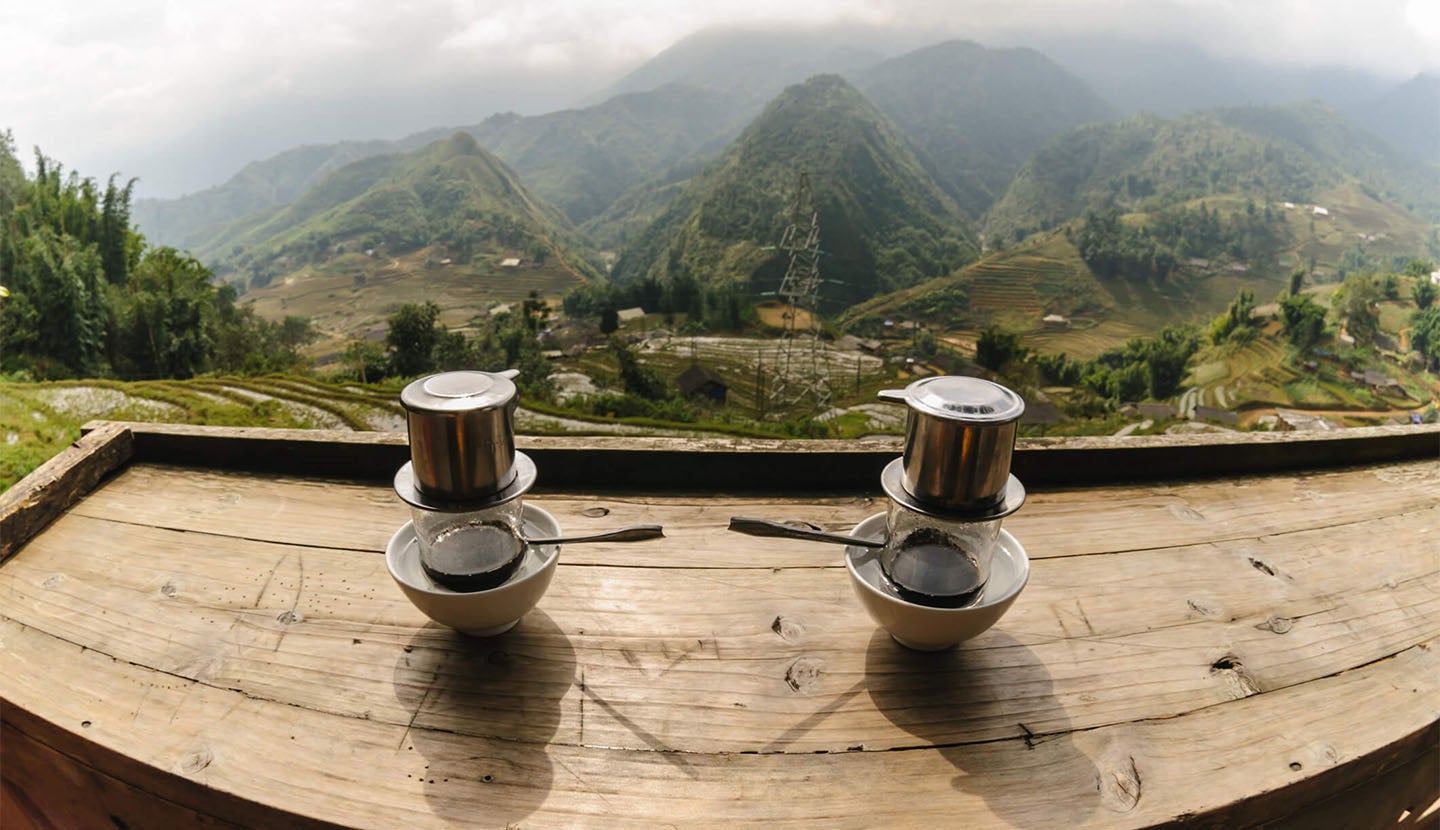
289 617
1277 625
169 589
53 581
1119 786
1242 684
1186 513
595 512
788 629
194 761
803 676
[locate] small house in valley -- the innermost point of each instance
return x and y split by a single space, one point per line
698 381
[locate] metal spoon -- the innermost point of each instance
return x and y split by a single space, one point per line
765 527
631 533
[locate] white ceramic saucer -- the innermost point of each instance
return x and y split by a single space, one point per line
478 613
923 627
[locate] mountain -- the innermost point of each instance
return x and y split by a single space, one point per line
1292 153
189 222
582 160
884 223
452 197
1408 116
976 113
1171 77
754 65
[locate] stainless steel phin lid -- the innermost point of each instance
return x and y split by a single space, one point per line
454 392
959 398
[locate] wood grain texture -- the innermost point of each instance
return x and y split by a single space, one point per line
221 752
1062 522
1216 653
34 502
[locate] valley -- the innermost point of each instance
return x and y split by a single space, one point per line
1011 222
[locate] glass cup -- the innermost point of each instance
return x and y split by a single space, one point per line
935 560
473 550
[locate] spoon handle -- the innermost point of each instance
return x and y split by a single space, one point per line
765 527
632 533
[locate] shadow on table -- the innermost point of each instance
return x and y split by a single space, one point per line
966 701
484 711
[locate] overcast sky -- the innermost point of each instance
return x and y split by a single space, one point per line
181 92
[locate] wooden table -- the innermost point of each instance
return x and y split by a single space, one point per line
218 642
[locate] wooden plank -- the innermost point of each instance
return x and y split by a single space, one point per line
1071 522
1397 799
220 752
707 661
41 789
34 502
753 465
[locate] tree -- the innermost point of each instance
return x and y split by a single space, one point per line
411 338
995 348
295 333
1423 293
167 318
1302 320
1236 323
1419 268
536 311
1356 302
609 320
1297 280
1166 355
368 359
1425 335
638 379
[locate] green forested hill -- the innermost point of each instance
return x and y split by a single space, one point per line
452 195
582 160
190 222
977 114
884 223
1290 153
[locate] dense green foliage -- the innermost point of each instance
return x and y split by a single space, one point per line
1355 302
1144 367
884 224
87 298
451 194
1425 335
1147 163
1302 320
191 221
1113 249
992 109
995 349
417 343
1423 293
1236 324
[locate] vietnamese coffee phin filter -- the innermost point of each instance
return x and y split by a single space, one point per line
951 487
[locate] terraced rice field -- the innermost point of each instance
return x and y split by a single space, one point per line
38 420
345 306
1009 285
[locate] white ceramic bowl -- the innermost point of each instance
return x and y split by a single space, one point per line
478 613
922 627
